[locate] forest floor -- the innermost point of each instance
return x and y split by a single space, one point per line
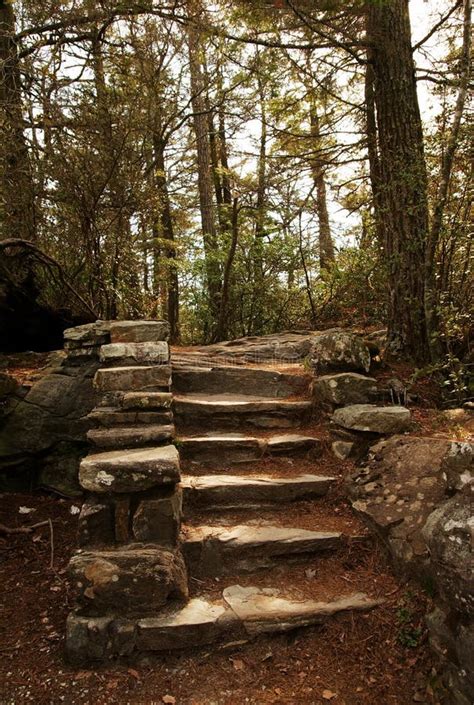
377 658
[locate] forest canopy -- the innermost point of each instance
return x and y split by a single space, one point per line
240 168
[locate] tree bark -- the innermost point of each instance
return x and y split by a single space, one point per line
17 189
205 173
326 244
402 206
165 232
445 177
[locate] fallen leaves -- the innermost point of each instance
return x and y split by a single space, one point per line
169 699
328 695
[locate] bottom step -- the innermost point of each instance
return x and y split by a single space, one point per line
242 613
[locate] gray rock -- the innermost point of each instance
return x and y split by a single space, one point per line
267 610
139 331
294 444
97 333
210 491
129 470
373 419
111 417
135 353
159 520
130 436
239 380
339 351
146 400
396 492
125 379
216 550
343 389
127 580
216 449
449 535
236 411
47 428
87 639
458 465
342 449
197 623
96 523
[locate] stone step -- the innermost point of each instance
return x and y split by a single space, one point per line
129 470
107 417
130 354
240 615
216 449
133 379
130 436
252 381
207 492
216 550
237 410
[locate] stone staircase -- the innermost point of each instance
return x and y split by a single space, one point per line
187 531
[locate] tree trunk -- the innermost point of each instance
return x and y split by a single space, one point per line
17 196
326 245
165 232
431 297
205 174
372 149
402 207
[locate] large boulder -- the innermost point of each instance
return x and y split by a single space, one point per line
369 418
43 435
418 494
449 535
339 351
395 492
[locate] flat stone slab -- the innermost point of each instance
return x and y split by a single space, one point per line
197 623
290 444
241 614
139 331
264 610
129 470
209 491
89 334
146 400
109 417
228 410
344 388
135 353
373 419
130 436
242 380
215 550
132 379
221 448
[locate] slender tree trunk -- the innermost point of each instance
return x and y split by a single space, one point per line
116 187
17 195
403 203
260 210
326 245
443 188
205 175
372 149
222 327
166 235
